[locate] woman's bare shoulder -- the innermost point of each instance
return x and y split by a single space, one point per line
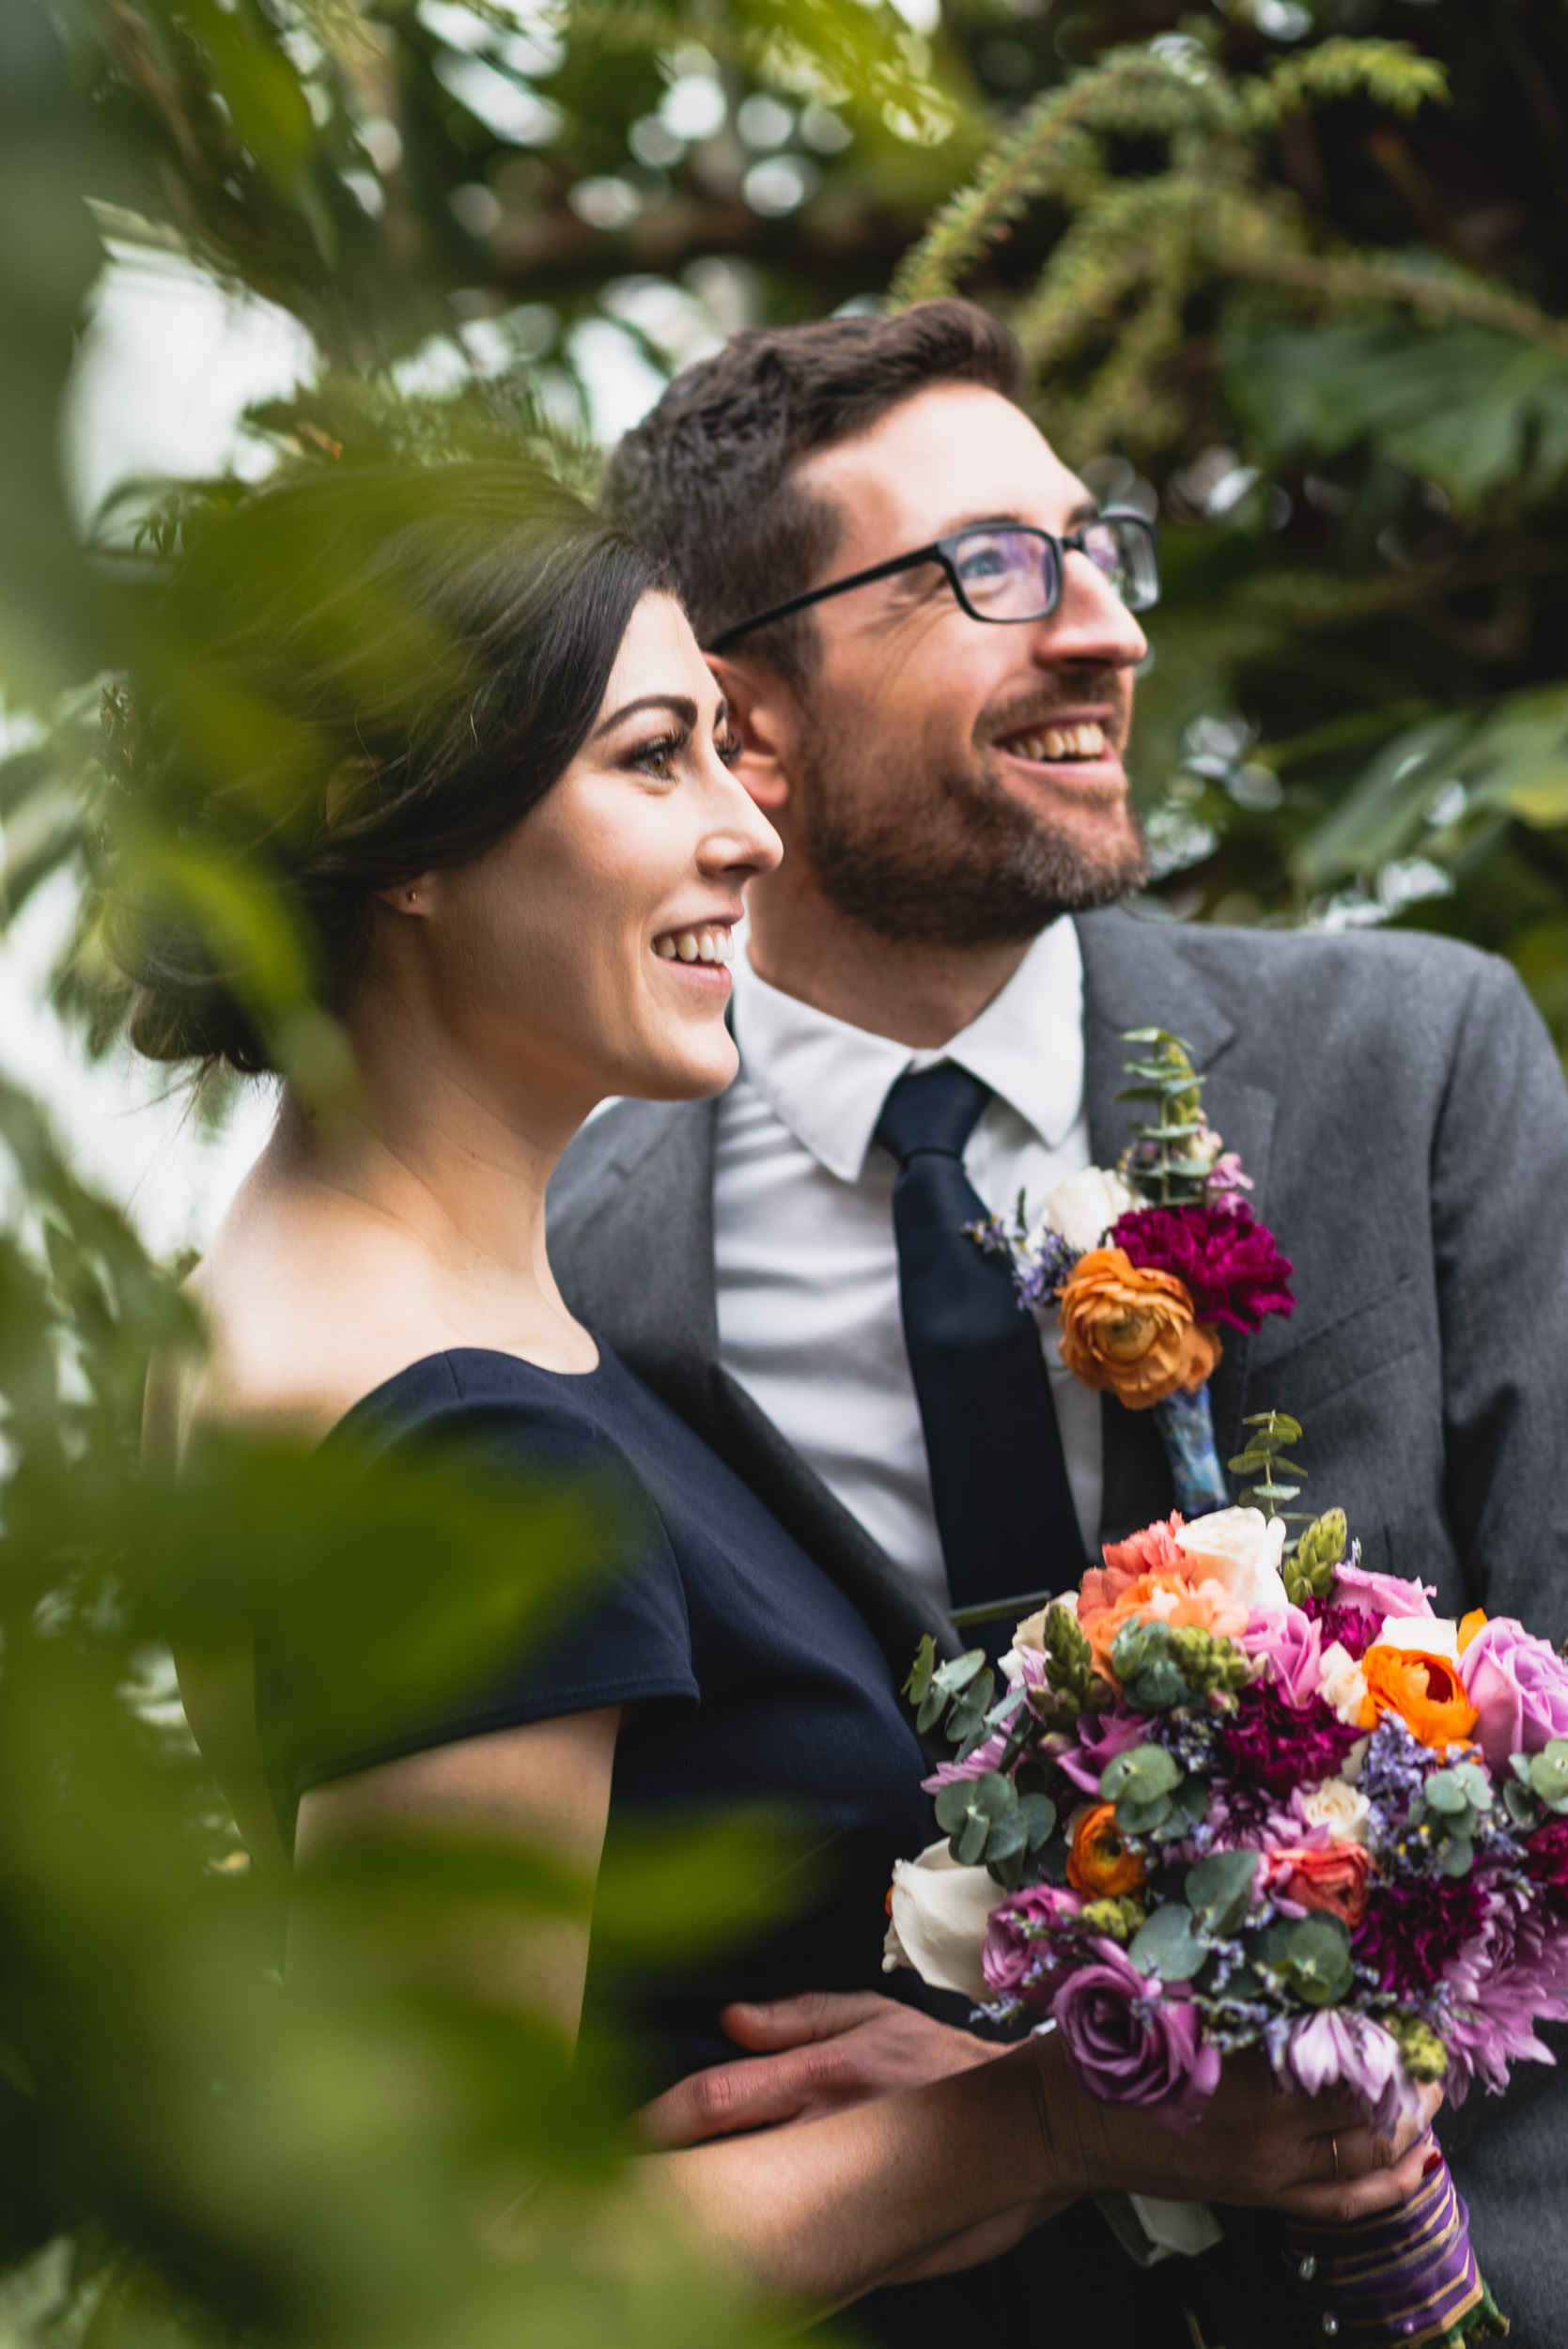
305 1311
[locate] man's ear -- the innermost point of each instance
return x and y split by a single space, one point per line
762 709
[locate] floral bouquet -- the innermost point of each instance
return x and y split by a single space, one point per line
1232 1798
1146 1262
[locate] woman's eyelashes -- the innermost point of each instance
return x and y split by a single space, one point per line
658 756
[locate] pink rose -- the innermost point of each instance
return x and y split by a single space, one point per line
1292 1644
1519 1687
1382 1594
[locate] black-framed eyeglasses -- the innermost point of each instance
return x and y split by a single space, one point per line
1005 571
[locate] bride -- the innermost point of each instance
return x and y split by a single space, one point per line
486 764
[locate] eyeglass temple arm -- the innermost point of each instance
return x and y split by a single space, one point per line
728 636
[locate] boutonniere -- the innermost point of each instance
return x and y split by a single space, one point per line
1147 1262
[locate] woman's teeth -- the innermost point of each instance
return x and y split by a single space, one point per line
1061 743
711 944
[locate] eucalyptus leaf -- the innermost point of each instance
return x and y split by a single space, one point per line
1168 1945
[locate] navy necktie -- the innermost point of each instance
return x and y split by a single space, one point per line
1004 1509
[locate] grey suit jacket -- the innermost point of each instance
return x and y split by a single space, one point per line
1402 1112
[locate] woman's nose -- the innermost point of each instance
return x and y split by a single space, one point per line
740 839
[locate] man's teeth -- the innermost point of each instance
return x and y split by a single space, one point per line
1057 742
712 944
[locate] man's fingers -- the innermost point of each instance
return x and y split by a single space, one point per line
795 2022
719 2102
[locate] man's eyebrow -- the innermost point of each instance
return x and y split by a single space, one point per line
681 704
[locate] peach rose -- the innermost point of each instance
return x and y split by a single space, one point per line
1160 1599
1131 1329
1334 1880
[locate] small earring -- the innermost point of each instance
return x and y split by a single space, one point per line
411 896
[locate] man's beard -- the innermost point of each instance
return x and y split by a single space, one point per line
964 865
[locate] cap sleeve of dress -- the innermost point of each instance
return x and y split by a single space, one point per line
629 1643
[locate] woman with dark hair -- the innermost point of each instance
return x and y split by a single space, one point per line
464 728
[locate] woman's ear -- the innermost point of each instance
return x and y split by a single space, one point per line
761 709
411 896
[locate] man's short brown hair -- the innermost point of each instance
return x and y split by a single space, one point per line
706 479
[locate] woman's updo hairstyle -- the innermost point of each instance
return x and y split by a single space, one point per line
352 679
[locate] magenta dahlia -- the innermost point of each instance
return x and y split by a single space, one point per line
1227 1260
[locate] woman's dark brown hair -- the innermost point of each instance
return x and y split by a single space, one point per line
351 680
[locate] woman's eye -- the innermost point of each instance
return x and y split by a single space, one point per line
659 757
729 747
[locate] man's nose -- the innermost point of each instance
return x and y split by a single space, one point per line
1091 623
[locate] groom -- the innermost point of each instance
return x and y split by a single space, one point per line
930 643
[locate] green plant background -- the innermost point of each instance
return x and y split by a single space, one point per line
1290 273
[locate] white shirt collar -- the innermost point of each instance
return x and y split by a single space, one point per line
827 1081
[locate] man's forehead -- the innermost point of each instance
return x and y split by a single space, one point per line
953 453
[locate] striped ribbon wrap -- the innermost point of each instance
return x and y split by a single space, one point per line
1405 2278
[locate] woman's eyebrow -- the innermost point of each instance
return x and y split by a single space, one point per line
681 704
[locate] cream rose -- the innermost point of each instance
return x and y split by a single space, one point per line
1242 1549
939 1919
1083 1206
1338 1807
1343 1684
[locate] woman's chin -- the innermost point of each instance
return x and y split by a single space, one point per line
693 1072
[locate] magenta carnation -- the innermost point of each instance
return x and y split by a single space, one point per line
1352 1626
1547 1859
1414 1927
1226 1259
1280 1746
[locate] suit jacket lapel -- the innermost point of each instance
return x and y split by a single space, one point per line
641 1265
1135 976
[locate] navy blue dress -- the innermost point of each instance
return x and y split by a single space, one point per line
746 1676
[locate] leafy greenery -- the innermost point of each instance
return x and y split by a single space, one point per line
1291 275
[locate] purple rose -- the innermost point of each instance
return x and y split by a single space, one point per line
1130 2045
1017 1960
1383 1593
1519 1687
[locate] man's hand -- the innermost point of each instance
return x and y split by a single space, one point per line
812 2055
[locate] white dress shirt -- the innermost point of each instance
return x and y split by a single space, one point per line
806 1266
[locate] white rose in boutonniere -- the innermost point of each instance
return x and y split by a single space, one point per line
1241 1548
1083 1206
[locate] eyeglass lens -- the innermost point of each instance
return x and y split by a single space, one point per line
1016 574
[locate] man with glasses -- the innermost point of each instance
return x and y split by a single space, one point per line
929 634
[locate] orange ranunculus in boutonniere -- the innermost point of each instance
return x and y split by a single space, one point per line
1413 1670
1131 1329
1099 1864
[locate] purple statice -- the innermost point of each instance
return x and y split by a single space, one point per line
1353 1627
1391 1777
1040 1262
1278 1746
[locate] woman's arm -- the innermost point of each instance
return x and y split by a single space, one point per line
829 2209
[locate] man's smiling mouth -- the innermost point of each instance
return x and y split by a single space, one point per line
1055 746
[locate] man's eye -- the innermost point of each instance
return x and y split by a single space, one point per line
989 564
